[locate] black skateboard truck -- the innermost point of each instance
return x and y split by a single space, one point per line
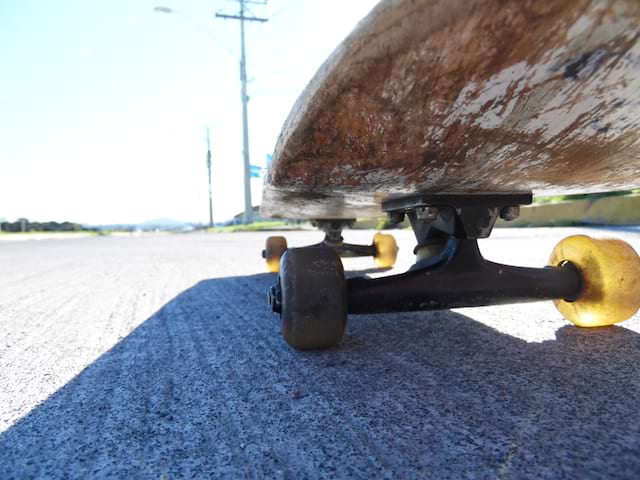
383 247
313 297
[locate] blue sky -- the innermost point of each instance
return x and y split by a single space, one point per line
104 104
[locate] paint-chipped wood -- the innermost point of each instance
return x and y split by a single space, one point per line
465 96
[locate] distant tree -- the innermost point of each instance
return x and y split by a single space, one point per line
41 226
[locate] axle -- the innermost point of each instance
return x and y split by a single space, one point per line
461 277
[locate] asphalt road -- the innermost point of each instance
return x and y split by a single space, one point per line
156 357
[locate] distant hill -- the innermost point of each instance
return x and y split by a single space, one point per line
155 224
163 223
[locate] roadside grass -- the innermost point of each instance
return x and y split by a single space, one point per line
44 232
582 196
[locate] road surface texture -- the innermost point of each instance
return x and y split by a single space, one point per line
157 357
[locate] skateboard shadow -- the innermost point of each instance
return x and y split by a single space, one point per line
206 387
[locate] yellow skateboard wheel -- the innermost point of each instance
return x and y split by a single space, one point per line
386 250
610 274
275 247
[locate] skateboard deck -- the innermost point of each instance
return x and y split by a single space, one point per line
465 96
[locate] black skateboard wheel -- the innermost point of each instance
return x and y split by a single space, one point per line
314 298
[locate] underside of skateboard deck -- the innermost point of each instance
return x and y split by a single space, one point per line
465 96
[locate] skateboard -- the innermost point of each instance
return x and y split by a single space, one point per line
452 115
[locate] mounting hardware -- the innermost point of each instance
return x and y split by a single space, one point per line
510 213
495 200
439 216
395 217
332 229
427 214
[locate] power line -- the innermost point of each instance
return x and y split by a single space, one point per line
286 7
198 26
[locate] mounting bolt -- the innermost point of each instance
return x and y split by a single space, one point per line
395 217
510 213
427 213
275 298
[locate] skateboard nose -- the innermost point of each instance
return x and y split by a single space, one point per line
275 298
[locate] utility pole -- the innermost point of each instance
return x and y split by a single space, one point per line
248 207
209 171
